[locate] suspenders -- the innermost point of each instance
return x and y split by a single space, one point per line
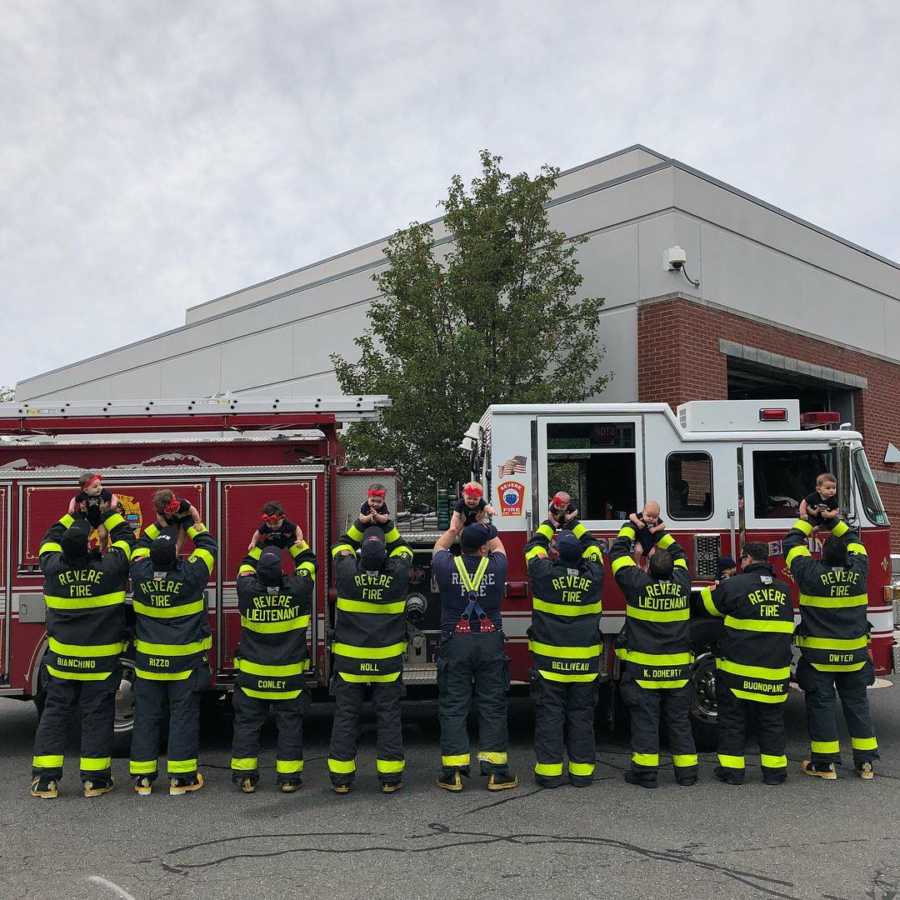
471 583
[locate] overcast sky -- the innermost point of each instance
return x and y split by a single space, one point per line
154 155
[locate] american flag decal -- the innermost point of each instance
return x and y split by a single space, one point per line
513 466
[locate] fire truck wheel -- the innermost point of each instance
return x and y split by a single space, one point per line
124 721
704 713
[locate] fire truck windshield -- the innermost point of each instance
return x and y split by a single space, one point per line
868 492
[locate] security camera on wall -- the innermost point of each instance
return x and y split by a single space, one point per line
674 258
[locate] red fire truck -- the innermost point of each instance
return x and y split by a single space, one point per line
724 472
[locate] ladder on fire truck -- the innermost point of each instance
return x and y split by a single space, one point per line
225 413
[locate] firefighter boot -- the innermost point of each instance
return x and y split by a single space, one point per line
502 781
248 785
97 787
391 787
866 771
819 770
451 780
143 786
185 784
45 787
289 787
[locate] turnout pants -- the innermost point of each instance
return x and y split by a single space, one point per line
95 702
473 661
153 701
737 718
249 717
648 706
349 697
564 719
821 712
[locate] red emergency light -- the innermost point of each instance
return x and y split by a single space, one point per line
773 414
819 419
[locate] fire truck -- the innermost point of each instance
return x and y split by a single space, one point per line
724 473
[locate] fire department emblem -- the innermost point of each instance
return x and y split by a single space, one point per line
512 498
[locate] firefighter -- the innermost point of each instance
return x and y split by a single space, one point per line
472 654
655 649
833 638
172 642
566 643
753 665
271 660
85 596
368 648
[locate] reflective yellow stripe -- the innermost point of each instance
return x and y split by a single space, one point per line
546 531
95 763
578 530
804 526
868 743
403 550
366 679
651 615
163 676
627 531
112 521
195 529
181 766
567 609
794 552
140 553
307 569
296 549
764 672
355 652
680 760
341 548
461 759
66 675
173 649
655 659
471 582
645 759
829 643
535 552
840 529
361 606
142 766
665 541
708 605
389 766
341 766
354 533
391 536
272 695
84 602
825 746
621 563
67 520
564 652
849 667
244 763
246 569
169 612
275 627
778 626
581 769
548 770
593 553
288 766
854 547
205 557
125 547
252 668
653 685
87 649
50 547
759 698
731 762
772 762
47 762
152 531
494 758
834 602
680 563
557 676
255 552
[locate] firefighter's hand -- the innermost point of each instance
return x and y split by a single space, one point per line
105 507
659 526
829 513
636 520
298 535
195 515
569 516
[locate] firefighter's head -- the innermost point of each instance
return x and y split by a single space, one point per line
834 551
474 539
163 550
754 552
569 548
661 564
74 542
372 551
268 566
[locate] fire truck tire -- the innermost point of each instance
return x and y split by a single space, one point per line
704 713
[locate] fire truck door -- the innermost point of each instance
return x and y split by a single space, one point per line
5 563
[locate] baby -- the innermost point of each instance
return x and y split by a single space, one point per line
276 529
470 508
172 511
374 510
821 506
647 523
562 508
89 499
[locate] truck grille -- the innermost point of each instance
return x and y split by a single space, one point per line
707 549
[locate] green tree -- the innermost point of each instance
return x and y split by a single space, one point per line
488 315
7 394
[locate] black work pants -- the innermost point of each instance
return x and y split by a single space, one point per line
349 697
95 703
153 701
250 715
821 712
649 707
473 661
737 718
564 719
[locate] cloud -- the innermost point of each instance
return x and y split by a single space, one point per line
154 156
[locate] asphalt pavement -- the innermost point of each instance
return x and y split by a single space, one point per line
806 839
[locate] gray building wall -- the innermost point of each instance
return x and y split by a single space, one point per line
275 337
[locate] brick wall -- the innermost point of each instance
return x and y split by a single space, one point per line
679 360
